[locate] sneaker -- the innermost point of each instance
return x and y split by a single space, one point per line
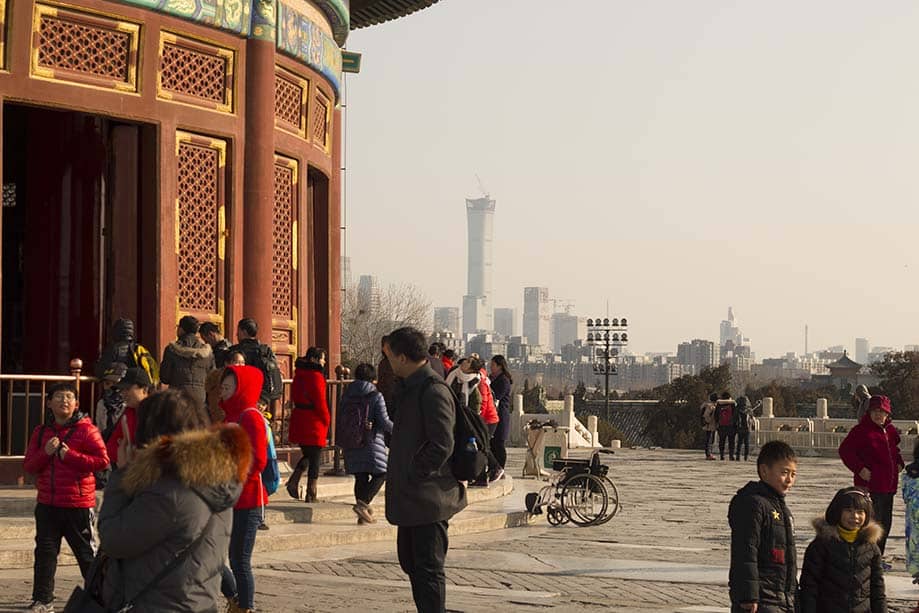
363 512
263 526
41 607
498 474
885 565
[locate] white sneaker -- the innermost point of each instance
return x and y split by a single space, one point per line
40 607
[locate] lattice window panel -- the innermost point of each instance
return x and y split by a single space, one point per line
282 261
194 73
320 126
288 102
65 44
199 203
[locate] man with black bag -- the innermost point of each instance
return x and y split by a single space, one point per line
422 493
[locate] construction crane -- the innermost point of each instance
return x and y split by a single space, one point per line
485 193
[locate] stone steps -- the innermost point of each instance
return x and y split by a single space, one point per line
292 524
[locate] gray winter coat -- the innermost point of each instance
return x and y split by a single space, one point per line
372 457
420 487
186 363
158 505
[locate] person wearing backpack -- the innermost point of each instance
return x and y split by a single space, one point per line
724 412
743 417
709 423
309 420
422 494
123 347
239 393
187 360
361 422
260 356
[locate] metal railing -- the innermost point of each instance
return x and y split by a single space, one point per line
22 405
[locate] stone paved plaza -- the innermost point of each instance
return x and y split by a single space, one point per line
666 551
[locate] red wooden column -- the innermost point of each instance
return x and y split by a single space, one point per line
258 200
334 264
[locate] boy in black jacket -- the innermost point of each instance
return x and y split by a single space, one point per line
763 575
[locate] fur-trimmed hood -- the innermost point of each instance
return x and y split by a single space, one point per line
191 348
870 532
214 463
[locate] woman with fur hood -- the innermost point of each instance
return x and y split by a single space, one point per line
180 484
842 565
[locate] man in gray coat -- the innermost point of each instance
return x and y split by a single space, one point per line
421 491
187 361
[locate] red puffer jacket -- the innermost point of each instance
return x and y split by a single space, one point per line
67 482
489 411
129 420
248 388
309 419
876 448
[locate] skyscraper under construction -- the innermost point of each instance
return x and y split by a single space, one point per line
477 303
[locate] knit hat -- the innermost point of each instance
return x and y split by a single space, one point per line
123 330
881 403
135 376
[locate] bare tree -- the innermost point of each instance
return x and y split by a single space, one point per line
365 319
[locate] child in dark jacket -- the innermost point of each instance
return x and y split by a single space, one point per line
763 573
842 565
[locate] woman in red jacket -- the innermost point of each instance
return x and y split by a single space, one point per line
309 420
239 393
871 451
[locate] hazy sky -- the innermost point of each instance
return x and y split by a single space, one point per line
672 157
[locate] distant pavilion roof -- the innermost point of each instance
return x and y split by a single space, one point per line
366 13
844 362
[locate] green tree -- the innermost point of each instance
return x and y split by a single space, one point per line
899 380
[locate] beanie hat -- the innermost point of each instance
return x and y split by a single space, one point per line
879 403
123 330
134 376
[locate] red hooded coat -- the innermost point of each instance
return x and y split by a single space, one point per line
248 388
489 411
309 420
67 482
876 448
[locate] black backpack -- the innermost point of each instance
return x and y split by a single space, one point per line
470 438
268 364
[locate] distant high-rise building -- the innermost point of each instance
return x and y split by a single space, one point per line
369 293
566 329
446 319
506 322
477 309
861 350
730 332
536 316
698 353
345 272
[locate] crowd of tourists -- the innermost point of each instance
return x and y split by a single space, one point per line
844 565
187 471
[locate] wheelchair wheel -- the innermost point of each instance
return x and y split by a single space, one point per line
584 499
613 506
556 517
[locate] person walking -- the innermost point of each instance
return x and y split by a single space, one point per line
175 493
871 450
123 347
210 334
724 414
187 361
709 424
368 462
260 356
239 392
860 401
309 421
743 418
421 492
501 384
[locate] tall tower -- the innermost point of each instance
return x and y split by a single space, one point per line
477 309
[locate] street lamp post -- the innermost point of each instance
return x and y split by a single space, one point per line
607 336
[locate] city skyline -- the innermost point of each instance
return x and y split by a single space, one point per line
728 155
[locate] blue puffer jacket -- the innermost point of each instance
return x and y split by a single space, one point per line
373 457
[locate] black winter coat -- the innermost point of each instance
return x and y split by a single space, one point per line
420 486
763 559
838 576
185 365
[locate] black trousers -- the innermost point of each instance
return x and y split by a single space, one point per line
422 551
883 511
310 460
726 434
367 486
743 442
51 524
497 447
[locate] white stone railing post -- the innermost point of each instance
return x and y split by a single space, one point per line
517 435
767 408
592 426
822 411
